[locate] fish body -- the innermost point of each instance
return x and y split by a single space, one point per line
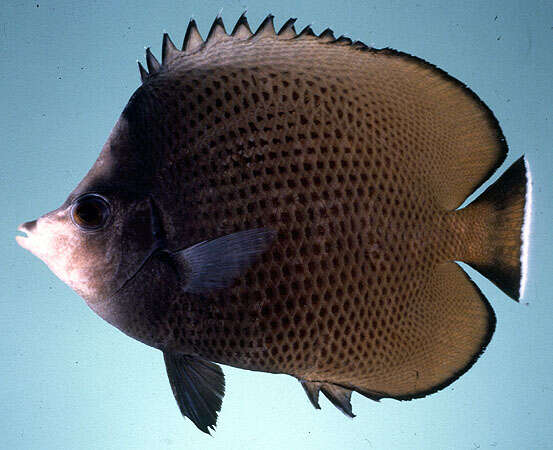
287 203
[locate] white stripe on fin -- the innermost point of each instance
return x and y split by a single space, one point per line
525 234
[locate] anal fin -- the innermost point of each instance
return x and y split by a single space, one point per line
312 389
338 395
198 387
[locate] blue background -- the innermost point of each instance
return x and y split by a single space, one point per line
69 380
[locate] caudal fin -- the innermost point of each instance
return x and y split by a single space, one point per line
506 205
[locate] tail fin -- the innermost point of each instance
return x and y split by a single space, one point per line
506 205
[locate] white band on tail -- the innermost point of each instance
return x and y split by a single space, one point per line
526 231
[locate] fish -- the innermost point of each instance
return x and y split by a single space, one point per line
293 203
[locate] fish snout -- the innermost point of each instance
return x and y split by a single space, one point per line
26 228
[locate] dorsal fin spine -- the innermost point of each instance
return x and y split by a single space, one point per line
143 72
360 45
342 40
288 30
242 28
151 62
267 27
327 35
168 49
217 31
306 32
192 39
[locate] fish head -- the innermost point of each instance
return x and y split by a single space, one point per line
101 236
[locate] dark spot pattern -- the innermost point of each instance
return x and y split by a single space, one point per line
331 160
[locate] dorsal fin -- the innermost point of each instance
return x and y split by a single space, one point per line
168 49
192 39
143 72
267 27
242 28
288 31
327 35
216 32
151 62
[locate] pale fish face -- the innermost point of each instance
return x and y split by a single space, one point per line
94 244
55 240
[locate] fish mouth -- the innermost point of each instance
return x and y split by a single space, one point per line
25 228
23 239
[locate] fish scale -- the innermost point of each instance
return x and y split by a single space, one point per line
302 194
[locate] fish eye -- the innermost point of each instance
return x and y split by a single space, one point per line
90 212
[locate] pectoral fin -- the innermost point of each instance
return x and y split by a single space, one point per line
216 264
198 387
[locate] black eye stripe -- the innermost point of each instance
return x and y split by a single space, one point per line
90 212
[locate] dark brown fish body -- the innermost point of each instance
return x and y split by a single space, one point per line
357 159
